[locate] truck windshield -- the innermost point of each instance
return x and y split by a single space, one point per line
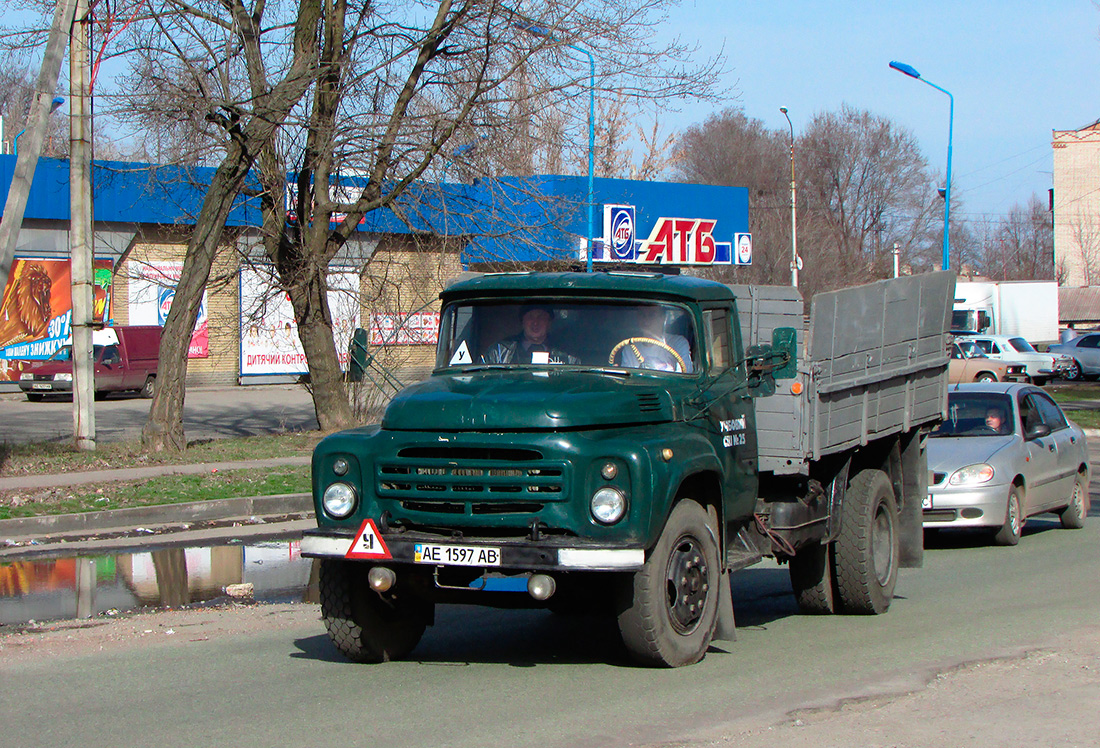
551 332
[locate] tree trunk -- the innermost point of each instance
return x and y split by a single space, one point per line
163 431
330 400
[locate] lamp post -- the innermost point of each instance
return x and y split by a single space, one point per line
54 106
794 208
545 33
909 70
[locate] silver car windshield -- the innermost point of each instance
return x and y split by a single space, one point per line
977 414
628 335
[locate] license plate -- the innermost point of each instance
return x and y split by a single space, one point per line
41 386
927 503
456 555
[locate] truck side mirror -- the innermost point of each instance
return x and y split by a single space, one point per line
759 360
785 342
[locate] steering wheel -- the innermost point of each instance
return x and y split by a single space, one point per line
654 341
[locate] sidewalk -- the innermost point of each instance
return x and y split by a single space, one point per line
254 517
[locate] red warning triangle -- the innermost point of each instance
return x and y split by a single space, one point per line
368 543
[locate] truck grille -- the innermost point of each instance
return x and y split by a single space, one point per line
471 481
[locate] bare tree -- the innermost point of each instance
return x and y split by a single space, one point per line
731 149
16 94
1021 245
867 187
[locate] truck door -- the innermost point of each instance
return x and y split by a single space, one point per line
730 414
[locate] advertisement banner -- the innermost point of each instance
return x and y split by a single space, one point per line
670 241
36 310
152 288
419 328
269 332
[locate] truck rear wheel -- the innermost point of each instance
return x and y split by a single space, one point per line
813 580
867 549
363 625
149 387
672 603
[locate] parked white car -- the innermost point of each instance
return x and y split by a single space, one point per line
1039 367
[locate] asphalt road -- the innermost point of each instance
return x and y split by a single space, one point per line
208 413
520 678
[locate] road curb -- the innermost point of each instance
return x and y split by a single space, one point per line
119 519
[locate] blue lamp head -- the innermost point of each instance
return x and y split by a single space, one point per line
909 70
56 103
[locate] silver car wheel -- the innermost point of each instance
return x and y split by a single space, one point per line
1009 533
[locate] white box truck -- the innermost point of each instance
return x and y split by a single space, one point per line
1027 309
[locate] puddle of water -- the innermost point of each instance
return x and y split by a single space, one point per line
80 587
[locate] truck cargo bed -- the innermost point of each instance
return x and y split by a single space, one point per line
859 381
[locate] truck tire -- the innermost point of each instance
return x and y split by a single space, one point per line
364 626
149 387
1073 516
813 580
867 547
1009 533
670 607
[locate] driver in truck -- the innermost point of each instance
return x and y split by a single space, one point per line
532 345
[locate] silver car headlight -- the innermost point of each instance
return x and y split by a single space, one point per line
608 505
65 376
339 500
972 475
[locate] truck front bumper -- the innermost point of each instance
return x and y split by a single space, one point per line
562 554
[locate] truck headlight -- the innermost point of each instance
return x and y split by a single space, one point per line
339 500
608 505
65 376
972 475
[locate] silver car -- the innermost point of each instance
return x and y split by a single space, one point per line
1004 453
1085 354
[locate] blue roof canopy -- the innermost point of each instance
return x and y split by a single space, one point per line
507 219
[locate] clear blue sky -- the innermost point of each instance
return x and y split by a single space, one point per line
1018 69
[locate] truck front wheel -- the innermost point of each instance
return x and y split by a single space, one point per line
363 625
671 606
867 549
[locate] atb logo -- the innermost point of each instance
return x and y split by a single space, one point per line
621 231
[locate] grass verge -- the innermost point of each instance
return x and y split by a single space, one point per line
165 489
46 458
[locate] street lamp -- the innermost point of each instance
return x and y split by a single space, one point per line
54 106
909 70
545 33
794 208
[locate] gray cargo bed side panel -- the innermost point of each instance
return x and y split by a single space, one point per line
878 353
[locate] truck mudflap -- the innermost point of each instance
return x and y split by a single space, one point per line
421 548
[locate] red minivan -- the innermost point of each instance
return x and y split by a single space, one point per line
125 360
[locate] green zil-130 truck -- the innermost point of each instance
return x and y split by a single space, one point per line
622 442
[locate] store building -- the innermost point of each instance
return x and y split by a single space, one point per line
385 281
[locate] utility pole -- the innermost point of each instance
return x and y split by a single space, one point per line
80 231
27 160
